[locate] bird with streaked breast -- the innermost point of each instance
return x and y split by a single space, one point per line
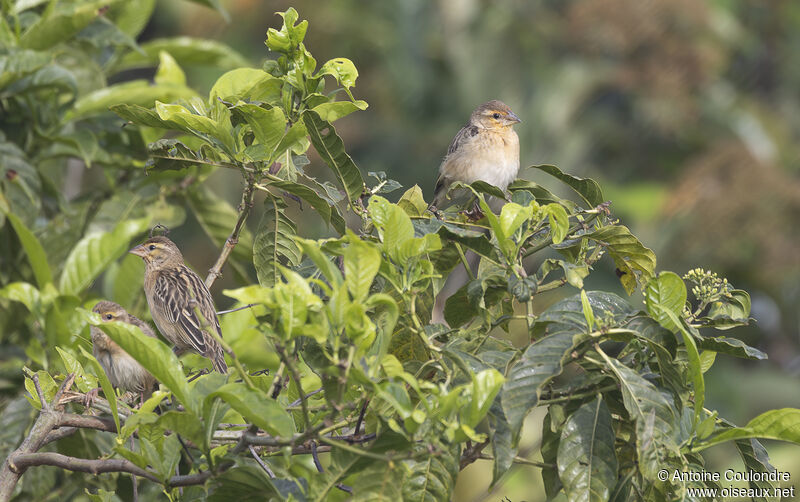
176 294
123 371
485 149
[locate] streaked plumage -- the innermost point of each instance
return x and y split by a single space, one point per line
486 149
123 371
170 287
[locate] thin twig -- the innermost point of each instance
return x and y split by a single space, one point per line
361 416
233 239
261 462
312 393
315 457
221 312
296 378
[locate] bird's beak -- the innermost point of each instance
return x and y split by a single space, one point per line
139 251
513 118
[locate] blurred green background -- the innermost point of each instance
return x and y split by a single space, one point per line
687 112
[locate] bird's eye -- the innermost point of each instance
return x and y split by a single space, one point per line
109 316
496 115
152 247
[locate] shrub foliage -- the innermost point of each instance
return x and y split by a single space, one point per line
368 397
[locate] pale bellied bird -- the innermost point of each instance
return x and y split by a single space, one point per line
123 371
485 149
176 295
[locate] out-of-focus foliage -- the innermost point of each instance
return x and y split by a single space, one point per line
352 314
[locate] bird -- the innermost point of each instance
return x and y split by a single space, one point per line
123 371
176 295
485 149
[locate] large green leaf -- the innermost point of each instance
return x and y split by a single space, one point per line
587 188
246 84
782 424
587 461
268 125
33 248
667 291
95 252
257 408
361 263
217 131
329 212
380 482
730 346
154 356
105 384
541 362
246 483
473 239
331 148
432 479
636 263
186 51
273 244
567 315
136 92
334 110
61 23
656 419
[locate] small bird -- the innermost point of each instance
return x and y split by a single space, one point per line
485 149
123 371
175 295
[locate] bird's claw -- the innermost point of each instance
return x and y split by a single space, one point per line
474 214
88 399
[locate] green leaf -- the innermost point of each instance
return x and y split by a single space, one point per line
245 483
781 424
361 263
126 95
200 125
636 263
412 202
186 51
434 478
328 212
587 461
485 386
539 193
730 346
168 72
567 315
588 314
274 244
542 361
587 188
331 148
730 311
153 355
475 240
380 481
335 110
95 252
343 70
268 125
257 408
314 252
246 84
756 459
667 291
559 221
653 414
105 384
217 6
60 23
33 248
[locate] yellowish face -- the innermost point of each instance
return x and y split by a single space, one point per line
495 118
156 250
110 312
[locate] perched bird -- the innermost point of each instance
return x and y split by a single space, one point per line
123 371
485 149
176 295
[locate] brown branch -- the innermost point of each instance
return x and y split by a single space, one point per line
21 461
233 239
87 422
48 419
472 453
261 462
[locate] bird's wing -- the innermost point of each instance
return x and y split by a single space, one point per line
461 136
173 291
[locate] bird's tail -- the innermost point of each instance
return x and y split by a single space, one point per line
217 357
